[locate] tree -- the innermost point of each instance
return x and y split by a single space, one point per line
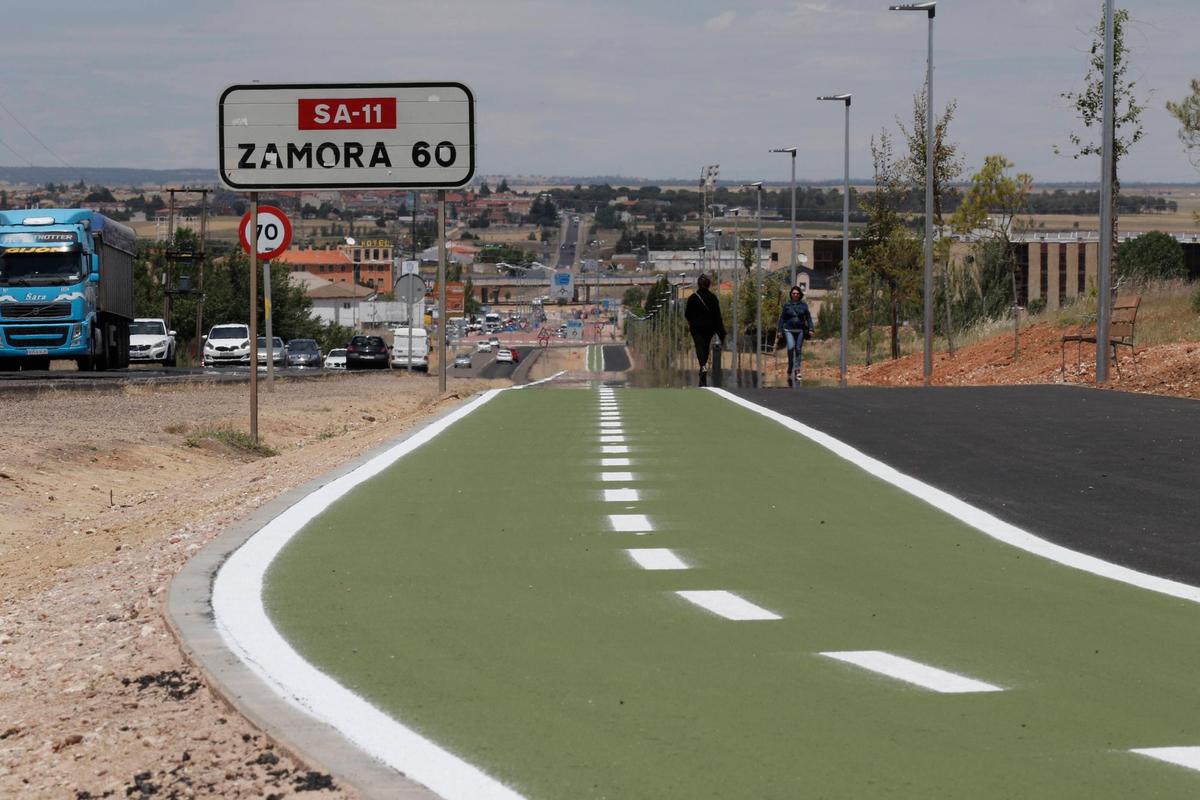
1089 103
947 166
991 207
503 187
1187 111
485 190
1152 256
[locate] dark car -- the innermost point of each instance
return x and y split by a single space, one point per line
303 353
365 352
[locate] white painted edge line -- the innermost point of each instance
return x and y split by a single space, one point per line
620 495
614 448
655 558
614 462
914 672
558 374
242 622
630 523
1180 756
975 517
616 476
727 605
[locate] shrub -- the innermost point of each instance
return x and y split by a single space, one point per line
1152 256
1196 299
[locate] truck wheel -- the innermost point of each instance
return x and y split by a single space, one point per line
8 365
41 364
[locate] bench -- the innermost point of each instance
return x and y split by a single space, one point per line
1121 331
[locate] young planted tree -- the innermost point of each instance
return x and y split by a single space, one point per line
1187 111
1089 104
947 167
993 202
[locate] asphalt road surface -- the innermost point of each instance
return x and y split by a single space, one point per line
1111 474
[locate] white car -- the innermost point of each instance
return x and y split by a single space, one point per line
336 359
227 344
149 340
504 356
483 347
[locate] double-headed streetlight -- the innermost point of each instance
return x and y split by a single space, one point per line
845 98
930 9
795 258
757 186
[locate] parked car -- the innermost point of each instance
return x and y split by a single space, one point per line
505 356
303 353
278 351
336 358
149 340
227 344
366 352
462 360
483 347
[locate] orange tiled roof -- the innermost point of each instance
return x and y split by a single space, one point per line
311 257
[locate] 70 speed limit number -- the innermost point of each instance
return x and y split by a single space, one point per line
274 231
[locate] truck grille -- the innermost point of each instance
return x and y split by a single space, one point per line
37 335
34 310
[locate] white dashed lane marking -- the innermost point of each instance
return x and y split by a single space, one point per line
614 448
728 605
914 672
630 523
613 439
609 477
614 462
620 495
656 558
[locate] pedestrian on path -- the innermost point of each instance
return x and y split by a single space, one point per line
703 315
796 325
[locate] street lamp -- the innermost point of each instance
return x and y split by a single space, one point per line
757 186
1104 301
845 241
930 10
792 150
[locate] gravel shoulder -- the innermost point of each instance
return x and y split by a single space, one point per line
103 498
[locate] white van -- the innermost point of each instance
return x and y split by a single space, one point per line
418 356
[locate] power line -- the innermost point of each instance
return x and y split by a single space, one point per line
35 137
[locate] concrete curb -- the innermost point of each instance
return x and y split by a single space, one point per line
189 616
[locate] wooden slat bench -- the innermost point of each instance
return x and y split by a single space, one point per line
1121 332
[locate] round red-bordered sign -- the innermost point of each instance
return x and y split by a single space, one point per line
274 232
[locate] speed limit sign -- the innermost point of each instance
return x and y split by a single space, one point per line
274 232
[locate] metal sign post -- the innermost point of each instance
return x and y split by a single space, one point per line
266 268
254 319
443 316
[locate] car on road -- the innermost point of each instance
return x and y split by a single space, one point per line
336 358
462 360
505 356
278 351
303 353
494 341
366 352
483 347
149 340
227 344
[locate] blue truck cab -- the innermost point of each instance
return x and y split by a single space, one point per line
66 289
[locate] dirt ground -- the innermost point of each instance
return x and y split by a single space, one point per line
1168 369
103 497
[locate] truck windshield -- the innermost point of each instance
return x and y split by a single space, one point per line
147 329
50 267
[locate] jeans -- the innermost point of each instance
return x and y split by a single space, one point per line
795 351
703 344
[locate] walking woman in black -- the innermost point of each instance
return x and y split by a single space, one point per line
703 315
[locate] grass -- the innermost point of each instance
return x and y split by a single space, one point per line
234 439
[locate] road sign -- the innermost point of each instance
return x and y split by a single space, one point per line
562 285
346 136
274 232
574 329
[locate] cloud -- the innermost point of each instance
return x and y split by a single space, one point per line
721 22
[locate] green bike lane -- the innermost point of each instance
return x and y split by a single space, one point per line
476 591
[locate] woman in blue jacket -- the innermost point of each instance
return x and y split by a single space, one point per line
795 325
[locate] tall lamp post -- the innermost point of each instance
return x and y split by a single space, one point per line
792 150
757 186
1104 301
930 8
845 241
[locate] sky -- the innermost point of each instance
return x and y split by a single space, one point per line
638 88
